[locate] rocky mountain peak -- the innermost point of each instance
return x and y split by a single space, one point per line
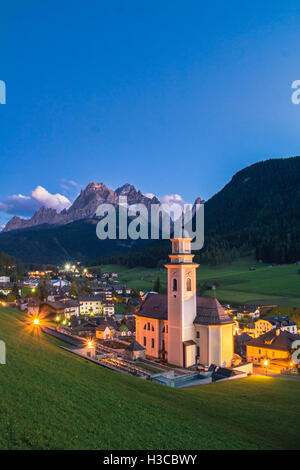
83 207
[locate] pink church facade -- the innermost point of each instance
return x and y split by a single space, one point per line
180 327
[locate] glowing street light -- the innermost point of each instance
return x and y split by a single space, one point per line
266 363
36 321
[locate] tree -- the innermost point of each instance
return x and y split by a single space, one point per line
85 287
15 291
74 290
157 285
135 293
42 290
10 297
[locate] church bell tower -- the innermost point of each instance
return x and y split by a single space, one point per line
181 304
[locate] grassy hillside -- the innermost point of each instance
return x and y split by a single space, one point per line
51 399
278 285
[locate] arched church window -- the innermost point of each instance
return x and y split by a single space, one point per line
174 285
189 284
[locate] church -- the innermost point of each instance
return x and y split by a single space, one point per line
181 327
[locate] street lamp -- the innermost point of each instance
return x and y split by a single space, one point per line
266 363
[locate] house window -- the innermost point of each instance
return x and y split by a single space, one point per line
145 326
152 328
189 284
149 326
174 285
152 343
198 351
198 334
145 340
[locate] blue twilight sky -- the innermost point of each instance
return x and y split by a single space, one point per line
173 96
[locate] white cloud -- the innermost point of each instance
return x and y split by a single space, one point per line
18 204
69 185
172 199
149 195
54 201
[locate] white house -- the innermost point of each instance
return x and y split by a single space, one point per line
263 325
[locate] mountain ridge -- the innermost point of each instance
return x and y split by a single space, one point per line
257 210
84 206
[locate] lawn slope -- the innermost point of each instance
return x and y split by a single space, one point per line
50 399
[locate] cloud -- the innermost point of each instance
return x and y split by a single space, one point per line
18 204
55 201
169 199
69 185
149 195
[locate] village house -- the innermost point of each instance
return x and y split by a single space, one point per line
95 305
7 287
105 292
181 327
64 308
247 311
280 321
60 283
274 345
39 274
104 331
135 351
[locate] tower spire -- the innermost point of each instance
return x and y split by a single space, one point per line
181 303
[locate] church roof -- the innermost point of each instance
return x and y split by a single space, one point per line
155 306
211 312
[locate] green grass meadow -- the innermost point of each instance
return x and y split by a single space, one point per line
279 285
51 399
